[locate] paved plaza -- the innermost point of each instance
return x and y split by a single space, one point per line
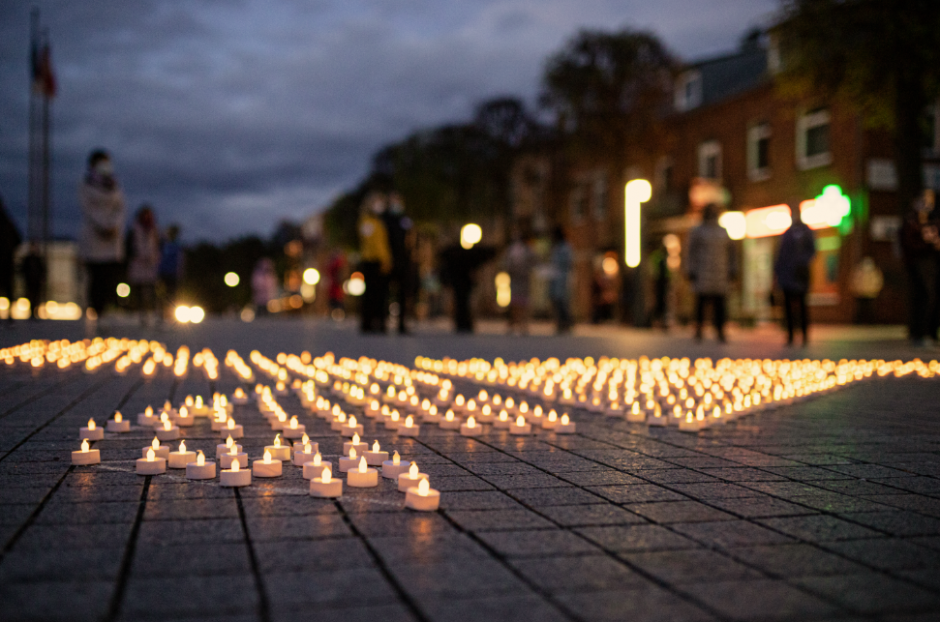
827 509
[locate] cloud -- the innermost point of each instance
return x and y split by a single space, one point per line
229 115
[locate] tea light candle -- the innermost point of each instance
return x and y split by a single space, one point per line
520 427
306 453
236 476
267 467
184 419
393 420
391 469
422 497
339 421
232 429
373 408
147 417
219 421
459 402
315 467
200 408
471 427
433 415
85 455
411 478
409 428
226 447
151 465
502 421
161 451
363 476
179 459
450 422
376 457
200 469
234 454
486 414
278 451
325 486
91 432
239 397
355 443
294 429
635 414
167 431
350 462
657 420
119 424
550 420
565 425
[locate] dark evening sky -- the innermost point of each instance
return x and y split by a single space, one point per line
228 115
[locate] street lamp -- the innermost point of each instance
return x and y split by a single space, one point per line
232 279
470 234
637 191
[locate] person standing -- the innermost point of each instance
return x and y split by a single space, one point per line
459 266
376 264
336 274
562 261
102 237
797 249
263 285
712 266
33 268
519 264
921 270
398 226
660 261
144 261
170 270
10 239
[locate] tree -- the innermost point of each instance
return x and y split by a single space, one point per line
883 56
608 91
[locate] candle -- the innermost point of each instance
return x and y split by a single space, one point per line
450 422
267 467
376 457
278 451
220 421
305 454
635 414
393 420
373 408
351 427
657 420
315 467
391 469
167 431
85 455
239 397
363 476
179 459
503 421
232 429
234 453
348 463
355 442
520 427
91 432
411 478
199 408
486 414
184 419
151 465
471 427
565 425
550 421
422 497
294 429
226 447
339 420
119 424
200 469
433 415
409 428
325 486
162 451
147 417
459 402
689 423
235 476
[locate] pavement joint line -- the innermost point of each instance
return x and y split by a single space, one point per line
382 567
40 394
264 605
35 513
117 598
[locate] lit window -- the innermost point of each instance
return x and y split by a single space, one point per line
758 152
709 160
688 93
812 139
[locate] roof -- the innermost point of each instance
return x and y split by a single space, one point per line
732 74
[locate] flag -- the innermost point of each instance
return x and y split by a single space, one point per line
44 82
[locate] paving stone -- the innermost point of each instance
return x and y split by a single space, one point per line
728 534
66 600
147 598
170 532
888 554
600 478
501 608
796 560
690 566
538 543
498 520
534 497
650 604
760 507
636 494
872 593
579 574
818 528
763 599
151 560
678 512
588 515
627 538
481 578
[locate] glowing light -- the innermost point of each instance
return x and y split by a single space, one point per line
637 191
376 448
200 459
151 455
235 465
520 421
565 420
362 465
470 234
317 459
277 440
352 453
767 221
182 314
471 422
355 285
123 290
424 488
409 422
413 470
182 447
326 476
311 276
91 424
267 457
196 314
231 425
355 438
155 444
503 289
85 446
118 417
396 459
735 223
293 422
229 441
232 279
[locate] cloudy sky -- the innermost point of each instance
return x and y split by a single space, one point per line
229 115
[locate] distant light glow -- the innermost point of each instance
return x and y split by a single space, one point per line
470 234
637 191
123 290
735 223
232 279
311 276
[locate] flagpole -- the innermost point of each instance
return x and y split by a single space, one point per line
46 162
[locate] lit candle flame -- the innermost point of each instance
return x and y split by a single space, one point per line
326 476
229 441
184 412
182 447
471 422
317 460
85 446
413 470
396 459
376 447
409 422
200 459
235 465
450 415
155 444
362 465
118 417
267 457
151 455
520 421
293 422
306 448
565 420
424 488
352 421
91 425
552 415
149 411
167 426
233 450
231 424
305 439
503 415
352 453
277 440
355 438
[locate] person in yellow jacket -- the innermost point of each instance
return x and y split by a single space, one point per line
375 264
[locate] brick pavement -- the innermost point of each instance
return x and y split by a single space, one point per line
824 510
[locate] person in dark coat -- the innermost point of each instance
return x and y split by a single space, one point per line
459 266
34 277
398 227
921 268
10 239
797 249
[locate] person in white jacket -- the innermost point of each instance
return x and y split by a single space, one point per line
102 236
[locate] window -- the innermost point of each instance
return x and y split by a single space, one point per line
758 152
688 92
600 197
577 202
709 160
812 139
